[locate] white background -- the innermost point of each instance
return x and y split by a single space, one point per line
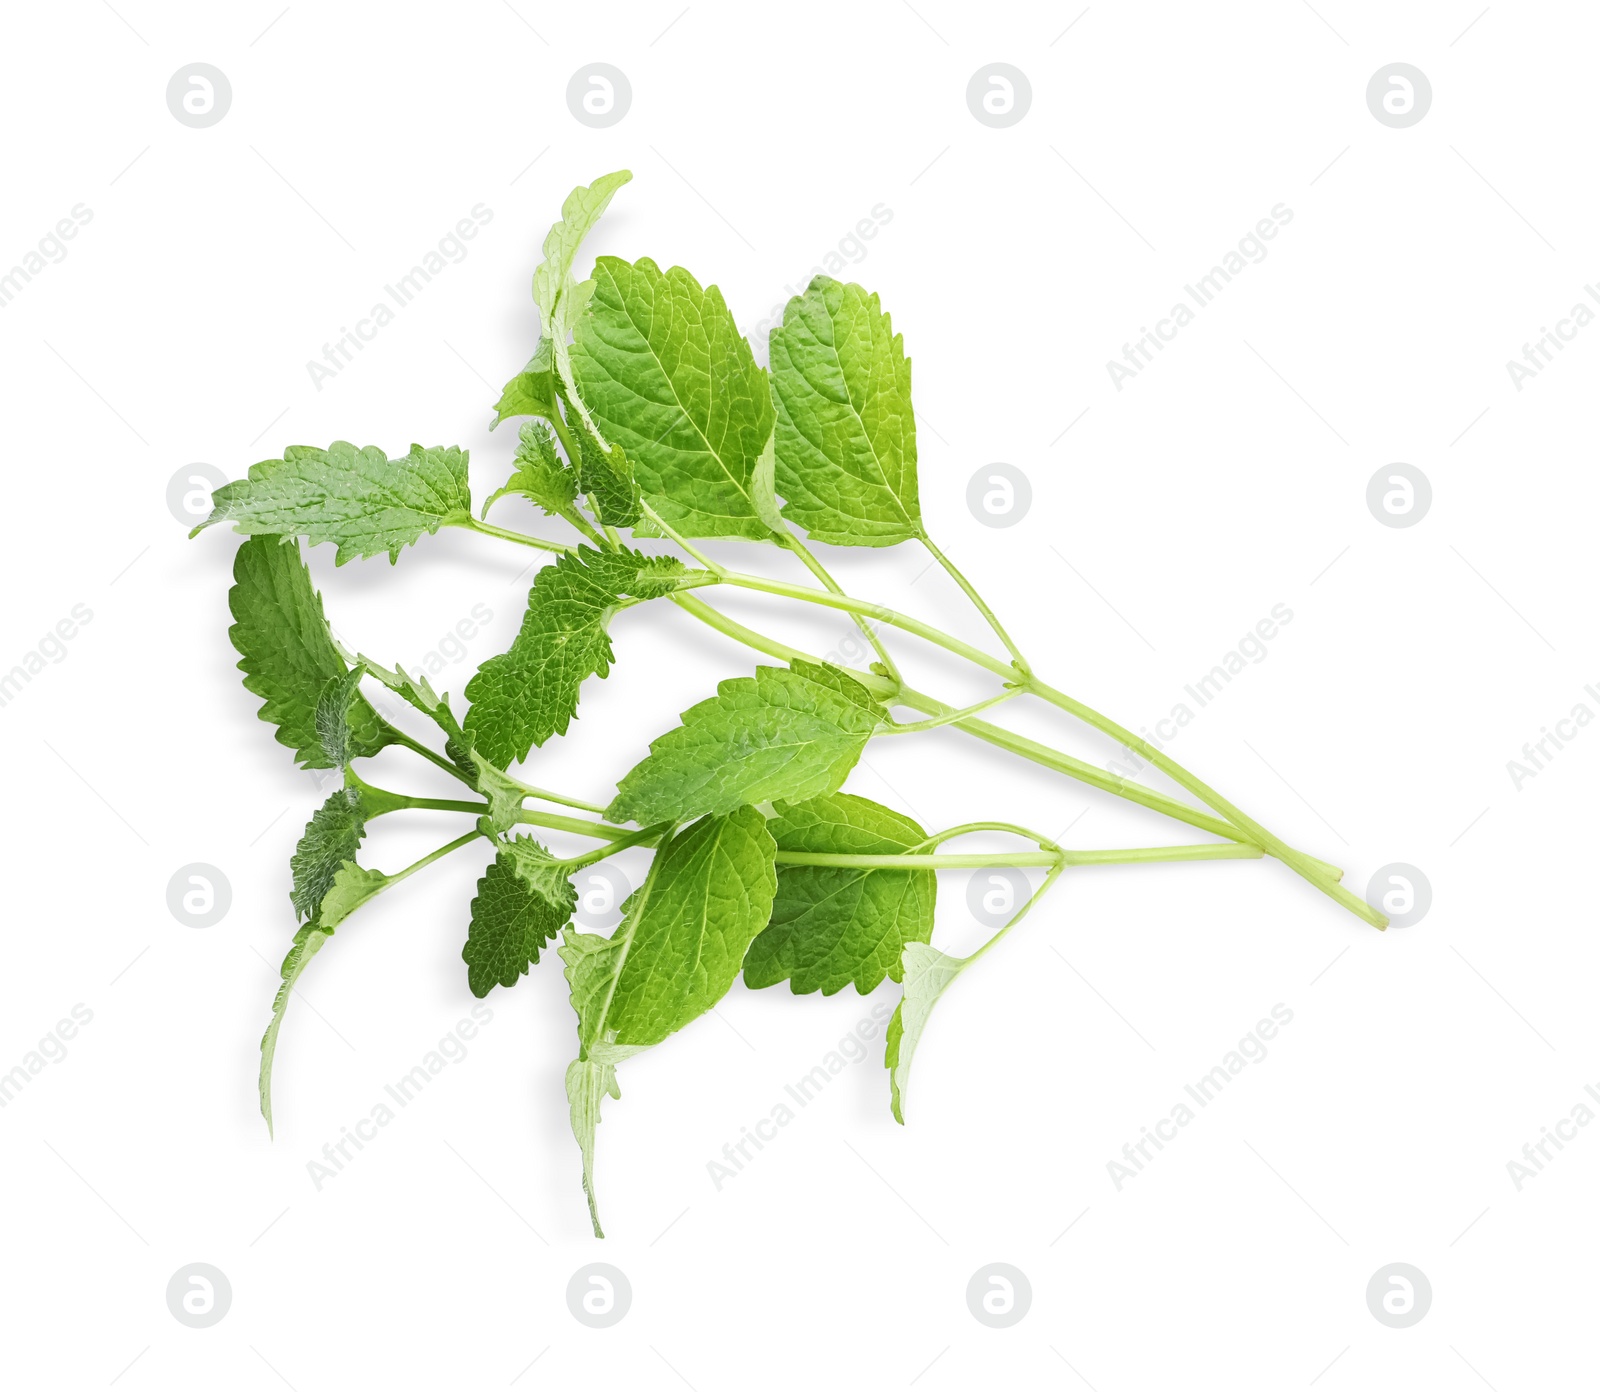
1167 519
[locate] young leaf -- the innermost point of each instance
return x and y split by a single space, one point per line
307 943
673 957
359 499
832 926
532 392
539 474
523 901
352 886
333 836
530 692
332 718
606 476
560 297
665 373
785 734
288 655
928 974
846 437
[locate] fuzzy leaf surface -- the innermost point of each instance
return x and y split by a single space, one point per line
359 499
522 902
333 836
530 692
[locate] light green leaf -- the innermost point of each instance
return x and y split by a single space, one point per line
846 436
359 499
834 926
673 957
539 474
532 392
333 836
928 974
665 373
351 888
560 296
307 943
785 734
524 899
530 692
287 654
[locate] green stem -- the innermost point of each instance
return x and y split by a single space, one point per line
528 790
1303 865
996 735
472 524
600 831
790 542
1020 914
1044 843
568 444
404 740
667 530
432 856
646 836
950 717
916 861
977 601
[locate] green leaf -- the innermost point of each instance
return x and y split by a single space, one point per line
834 926
846 437
532 392
352 886
530 692
560 297
539 474
785 734
307 943
287 653
606 476
673 957
332 717
333 836
665 373
359 499
524 899
928 974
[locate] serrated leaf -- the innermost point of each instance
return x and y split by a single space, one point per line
539 474
332 717
605 474
560 296
846 436
524 899
307 943
928 974
530 692
666 374
786 734
505 795
673 957
332 836
834 926
359 499
532 392
351 887
287 653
